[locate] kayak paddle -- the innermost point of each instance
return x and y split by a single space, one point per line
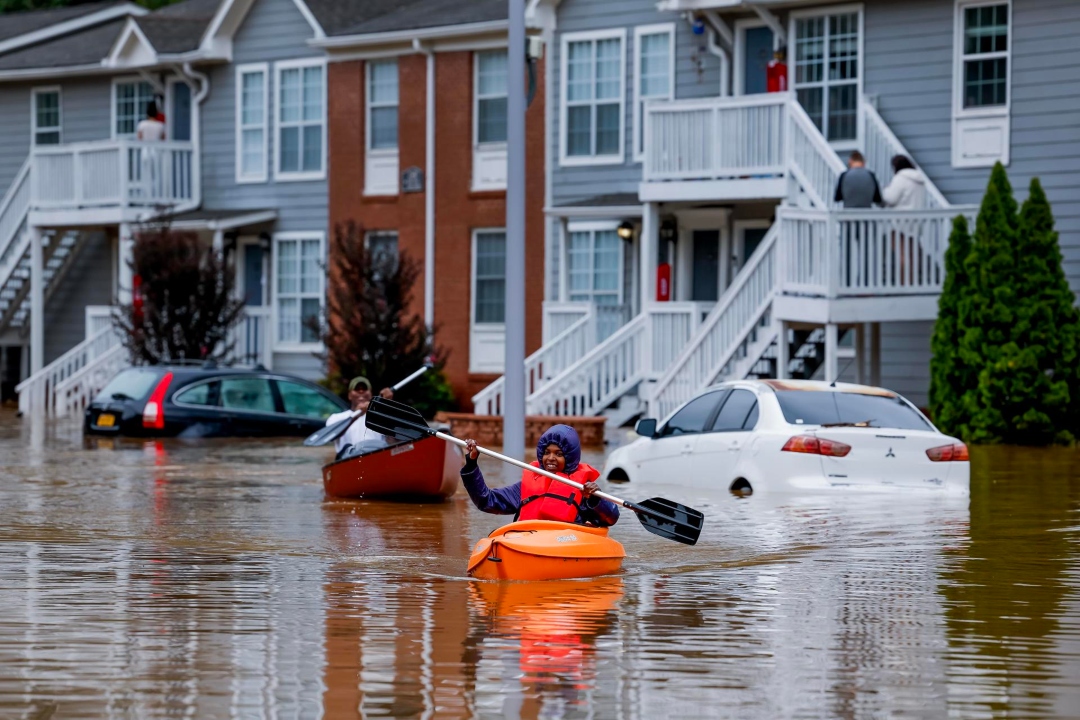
330 433
660 516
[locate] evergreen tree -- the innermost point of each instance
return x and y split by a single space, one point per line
950 378
371 328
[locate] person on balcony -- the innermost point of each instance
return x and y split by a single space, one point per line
907 191
150 128
858 186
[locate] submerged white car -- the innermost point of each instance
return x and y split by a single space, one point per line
792 435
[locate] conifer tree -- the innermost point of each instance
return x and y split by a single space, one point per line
950 378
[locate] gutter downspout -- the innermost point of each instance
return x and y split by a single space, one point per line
716 27
196 129
429 187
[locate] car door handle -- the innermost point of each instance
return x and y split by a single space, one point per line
735 445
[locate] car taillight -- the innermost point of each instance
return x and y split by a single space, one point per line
953 452
816 446
153 415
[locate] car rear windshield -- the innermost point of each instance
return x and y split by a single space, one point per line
802 407
131 384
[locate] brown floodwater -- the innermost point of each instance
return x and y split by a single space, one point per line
214 580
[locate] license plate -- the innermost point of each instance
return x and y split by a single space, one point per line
106 420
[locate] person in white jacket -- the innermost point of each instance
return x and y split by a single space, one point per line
907 191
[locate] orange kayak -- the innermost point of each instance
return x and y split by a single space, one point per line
545 550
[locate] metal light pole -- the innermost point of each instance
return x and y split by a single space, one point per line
514 387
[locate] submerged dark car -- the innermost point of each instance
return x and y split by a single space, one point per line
208 402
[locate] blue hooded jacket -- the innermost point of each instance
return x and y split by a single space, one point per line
507 500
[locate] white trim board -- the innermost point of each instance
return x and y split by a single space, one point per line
638 150
301 175
242 70
980 136
618 158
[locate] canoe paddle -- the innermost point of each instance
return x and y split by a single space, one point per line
330 433
659 516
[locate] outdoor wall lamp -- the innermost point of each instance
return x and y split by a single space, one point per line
264 240
669 230
626 230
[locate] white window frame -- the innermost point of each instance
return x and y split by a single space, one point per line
487 155
34 129
564 260
492 333
994 119
639 127
382 160
578 160
839 145
303 175
241 71
127 80
278 344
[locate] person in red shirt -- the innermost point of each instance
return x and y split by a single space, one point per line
776 72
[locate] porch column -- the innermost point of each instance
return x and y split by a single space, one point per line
832 334
860 353
37 300
875 354
650 234
783 350
124 274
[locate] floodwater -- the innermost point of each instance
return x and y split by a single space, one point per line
213 580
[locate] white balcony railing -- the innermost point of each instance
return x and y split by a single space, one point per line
110 173
251 338
715 138
859 253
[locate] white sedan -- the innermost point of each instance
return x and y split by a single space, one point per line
793 435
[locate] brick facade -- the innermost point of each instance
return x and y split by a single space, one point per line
458 210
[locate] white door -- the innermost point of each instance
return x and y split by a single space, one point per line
667 457
720 447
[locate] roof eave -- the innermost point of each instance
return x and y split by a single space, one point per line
70 26
431 33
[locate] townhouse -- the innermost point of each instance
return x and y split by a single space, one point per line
692 234
284 118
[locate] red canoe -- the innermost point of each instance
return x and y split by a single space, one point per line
423 470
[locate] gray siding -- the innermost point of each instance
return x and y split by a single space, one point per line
87 282
697 74
273 30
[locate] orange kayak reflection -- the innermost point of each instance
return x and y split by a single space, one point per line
545 550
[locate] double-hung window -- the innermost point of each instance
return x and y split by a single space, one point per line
130 100
251 117
382 247
381 166
301 120
298 287
46 116
487 332
594 272
593 95
981 94
654 74
489 156
827 71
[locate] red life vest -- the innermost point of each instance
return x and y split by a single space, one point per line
545 499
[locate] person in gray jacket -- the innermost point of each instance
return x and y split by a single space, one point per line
857 186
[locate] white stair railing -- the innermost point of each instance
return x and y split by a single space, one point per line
811 159
881 145
73 394
39 393
13 210
726 329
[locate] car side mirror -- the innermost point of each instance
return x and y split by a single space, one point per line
646 427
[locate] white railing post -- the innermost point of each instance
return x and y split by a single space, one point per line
124 163
832 256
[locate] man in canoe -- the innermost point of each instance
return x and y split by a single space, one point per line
536 497
359 399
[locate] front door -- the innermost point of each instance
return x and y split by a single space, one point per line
178 118
251 338
747 240
757 52
705 282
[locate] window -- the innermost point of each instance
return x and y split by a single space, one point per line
301 400
827 73
491 97
46 116
383 105
135 383
383 247
130 99
593 266
821 408
489 278
692 418
298 286
252 394
592 115
736 412
200 394
301 120
984 56
251 82
654 72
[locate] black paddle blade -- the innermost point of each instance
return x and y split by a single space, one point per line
396 419
328 434
669 519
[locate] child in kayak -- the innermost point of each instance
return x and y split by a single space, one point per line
536 497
